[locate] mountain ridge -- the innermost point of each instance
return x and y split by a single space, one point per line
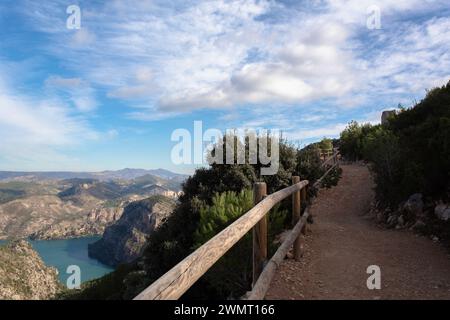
125 174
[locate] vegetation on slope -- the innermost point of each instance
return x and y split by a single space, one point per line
409 154
23 274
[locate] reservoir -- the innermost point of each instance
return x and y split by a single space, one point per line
63 253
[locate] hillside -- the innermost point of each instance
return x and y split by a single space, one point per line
58 209
90 187
11 190
23 274
125 240
50 217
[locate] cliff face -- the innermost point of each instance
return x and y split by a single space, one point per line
125 240
23 274
94 223
49 217
60 209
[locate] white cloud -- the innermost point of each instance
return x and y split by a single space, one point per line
112 133
63 82
82 95
222 54
330 131
82 38
84 104
34 131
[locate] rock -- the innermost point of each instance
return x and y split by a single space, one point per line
386 115
382 216
125 240
279 239
413 207
435 239
418 226
23 274
442 211
392 221
401 220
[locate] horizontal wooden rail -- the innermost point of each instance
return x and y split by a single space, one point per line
317 183
332 157
262 285
180 278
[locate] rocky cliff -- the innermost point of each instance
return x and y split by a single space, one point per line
23 274
71 208
49 217
125 240
93 223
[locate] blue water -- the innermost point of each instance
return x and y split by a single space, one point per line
63 253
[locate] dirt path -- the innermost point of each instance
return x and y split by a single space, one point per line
343 242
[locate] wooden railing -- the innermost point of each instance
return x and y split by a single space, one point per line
180 278
331 159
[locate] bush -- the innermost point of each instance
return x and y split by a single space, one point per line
231 276
326 145
226 207
409 154
351 140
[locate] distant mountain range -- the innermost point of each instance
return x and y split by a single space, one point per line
124 174
59 205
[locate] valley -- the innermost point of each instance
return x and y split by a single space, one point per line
63 205
94 221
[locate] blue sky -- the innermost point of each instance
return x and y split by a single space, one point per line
109 95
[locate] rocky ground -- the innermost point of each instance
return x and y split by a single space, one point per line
346 239
23 274
423 216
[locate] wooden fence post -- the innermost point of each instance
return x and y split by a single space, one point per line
296 211
259 233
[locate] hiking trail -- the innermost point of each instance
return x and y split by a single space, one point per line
343 241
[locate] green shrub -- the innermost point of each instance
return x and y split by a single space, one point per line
326 145
231 276
226 207
351 142
409 154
